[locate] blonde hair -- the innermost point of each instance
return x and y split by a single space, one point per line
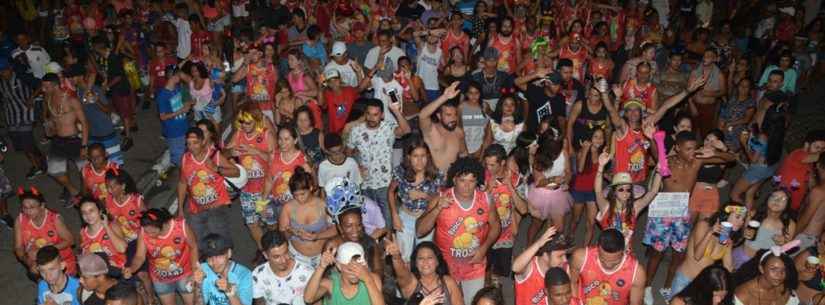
250 112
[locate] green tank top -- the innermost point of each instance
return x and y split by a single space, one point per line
337 297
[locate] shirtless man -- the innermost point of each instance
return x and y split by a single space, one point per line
66 121
672 232
704 106
445 138
812 219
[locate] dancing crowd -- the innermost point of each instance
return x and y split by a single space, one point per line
417 151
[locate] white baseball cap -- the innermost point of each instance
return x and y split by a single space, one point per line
331 73
347 251
339 48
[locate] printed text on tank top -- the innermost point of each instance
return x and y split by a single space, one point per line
91 245
539 295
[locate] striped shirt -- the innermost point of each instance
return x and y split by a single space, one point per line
13 96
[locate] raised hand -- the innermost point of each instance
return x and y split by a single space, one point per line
452 91
604 158
548 234
697 83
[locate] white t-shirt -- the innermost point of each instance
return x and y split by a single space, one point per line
327 171
372 56
184 37
382 90
280 290
427 67
374 151
348 75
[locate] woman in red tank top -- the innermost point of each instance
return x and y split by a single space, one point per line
94 172
124 204
283 164
98 235
37 227
171 250
620 207
584 197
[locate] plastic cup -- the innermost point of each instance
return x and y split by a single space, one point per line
724 234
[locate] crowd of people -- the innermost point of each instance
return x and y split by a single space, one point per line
389 151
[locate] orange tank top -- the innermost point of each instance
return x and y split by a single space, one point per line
38 236
282 171
260 85
507 54
126 214
530 289
206 187
169 255
631 152
95 181
100 243
578 58
598 286
460 232
503 202
255 165
600 69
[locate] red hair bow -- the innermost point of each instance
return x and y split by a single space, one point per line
508 90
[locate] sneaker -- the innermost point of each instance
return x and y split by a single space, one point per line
34 172
126 144
665 292
648 298
67 199
722 183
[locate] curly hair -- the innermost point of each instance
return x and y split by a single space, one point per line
464 166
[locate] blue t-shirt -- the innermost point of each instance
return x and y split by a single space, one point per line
170 101
66 297
239 276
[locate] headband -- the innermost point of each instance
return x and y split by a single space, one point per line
778 251
32 189
736 209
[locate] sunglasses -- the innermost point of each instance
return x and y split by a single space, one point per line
243 122
623 190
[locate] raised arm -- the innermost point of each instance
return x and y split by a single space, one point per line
693 85
522 262
601 201
649 196
424 117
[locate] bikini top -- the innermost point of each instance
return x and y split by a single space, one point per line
315 227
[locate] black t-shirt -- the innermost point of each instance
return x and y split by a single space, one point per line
491 88
94 300
410 12
542 105
275 17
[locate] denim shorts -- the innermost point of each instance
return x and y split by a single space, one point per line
583 197
182 286
759 172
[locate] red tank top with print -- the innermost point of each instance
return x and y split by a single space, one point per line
126 214
598 286
169 255
577 57
460 232
600 69
451 40
35 237
618 219
645 93
631 152
507 54
255 165
530 289
206 187
101 243
503 202
260 85
282 171
95 181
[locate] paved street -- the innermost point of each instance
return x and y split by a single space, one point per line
16 289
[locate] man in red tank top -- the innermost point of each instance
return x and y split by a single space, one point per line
466 225
606 274
549 251
202 178
507 46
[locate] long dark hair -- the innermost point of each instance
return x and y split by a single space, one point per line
628 206
773 126
441 270
588 159
416 142
711 279
155 218
492 293
497 113
100 207
785 217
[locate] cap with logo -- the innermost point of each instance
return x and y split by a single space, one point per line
348 251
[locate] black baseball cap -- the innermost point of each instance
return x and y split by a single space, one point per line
215 245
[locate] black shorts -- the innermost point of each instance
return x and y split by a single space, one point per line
22 141
131 248
500 261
